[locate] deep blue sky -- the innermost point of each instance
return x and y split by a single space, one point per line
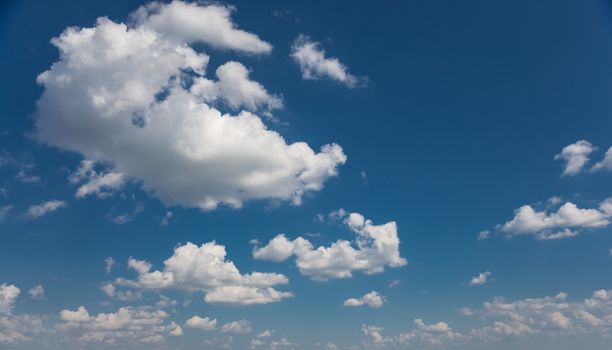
466 105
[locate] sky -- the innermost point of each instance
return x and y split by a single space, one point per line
282 175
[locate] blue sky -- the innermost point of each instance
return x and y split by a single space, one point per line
273 175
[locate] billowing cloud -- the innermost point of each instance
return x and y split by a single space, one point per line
202 323
480 279
8 295
310 56
375 247
372 299
560 224
130 98
204 268
42 209
238 327
606 163
37 292
127 325
575 156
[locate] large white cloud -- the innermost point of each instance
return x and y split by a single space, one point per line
121 96
8 295
375 247
310 56
127 325
576 156
204 268
559 224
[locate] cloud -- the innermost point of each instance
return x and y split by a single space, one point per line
100 184
4 210
191 22
109 263
560 224
19 328
37 292
372 299
42 209
127 325
575 156
204 268
201 323
121 97
166 219
484 234
375 247
236 89
310 56
8 295
605 163
238 327
482 278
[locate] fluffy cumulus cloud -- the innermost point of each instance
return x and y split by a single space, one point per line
8 295
575 156
310 56
480 279
135 99
202 323
129 325
42 209
374 247
372 299
238 327
205 268
37 292
606 163
563 223
422 334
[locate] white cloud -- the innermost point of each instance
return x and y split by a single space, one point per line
575 156
100 184
377 246
190 22
310 56
42 209
19 328
111 290
8 295
372 299
238 327
204 268
236 89
605 163
556 225
4 210
480 279
119 96
485 234
201 323
109 263
265 334
37 292
166 219
126 325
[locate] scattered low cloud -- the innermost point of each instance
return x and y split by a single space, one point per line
201 323
37 292
371 299
238 327
575 156
480 279
8 295
42 209
375 247
310 57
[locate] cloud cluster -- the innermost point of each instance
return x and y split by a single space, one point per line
205 268
575 156
135 98
310 56
8 295
126 325
375 247
372 299
560 224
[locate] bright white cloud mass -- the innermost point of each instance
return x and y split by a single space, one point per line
375 247
135 99
575 156
560 224
372 299
310 57
204 268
